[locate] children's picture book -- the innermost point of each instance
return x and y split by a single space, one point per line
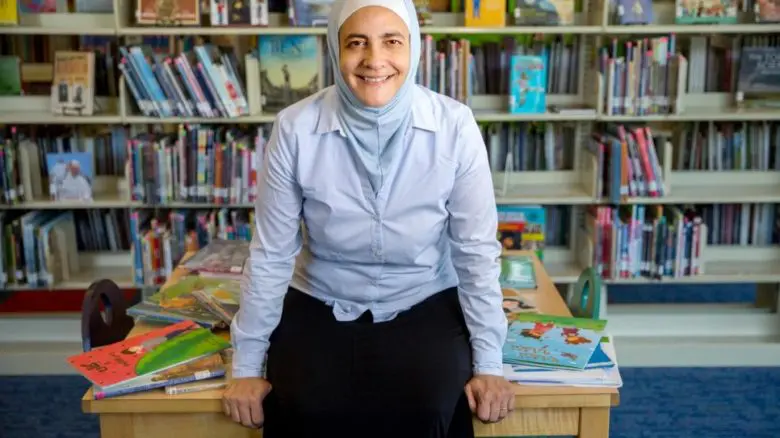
309 12
517 272
70 176
485 13
151 352
539 341
37 6
528 85
706 11
290 69
522 227
767 11
177 302
544 13
73 83
634 12
221 299
516 301
207 367
10 76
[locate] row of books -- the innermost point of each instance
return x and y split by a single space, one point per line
529 146
183 352
728 146
197 164
627 163
460 68
646 241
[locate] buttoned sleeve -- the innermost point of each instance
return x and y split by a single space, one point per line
275 244
473 221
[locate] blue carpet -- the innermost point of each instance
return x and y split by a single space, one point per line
655 403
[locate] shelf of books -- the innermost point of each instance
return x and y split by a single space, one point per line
641 138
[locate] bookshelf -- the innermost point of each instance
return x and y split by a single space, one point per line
752 331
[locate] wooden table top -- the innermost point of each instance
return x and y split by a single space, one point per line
546 298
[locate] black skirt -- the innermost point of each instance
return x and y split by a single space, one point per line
400 378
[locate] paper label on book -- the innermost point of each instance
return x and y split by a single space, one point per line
203 374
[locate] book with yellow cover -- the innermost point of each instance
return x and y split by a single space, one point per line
485 13
9 13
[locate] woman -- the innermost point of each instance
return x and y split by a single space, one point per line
392 324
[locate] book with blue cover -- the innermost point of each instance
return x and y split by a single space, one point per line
548 341
528 85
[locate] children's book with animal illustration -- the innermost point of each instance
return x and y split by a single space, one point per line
528 85
155 351
550 342
177 302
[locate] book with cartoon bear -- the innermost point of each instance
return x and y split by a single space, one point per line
549 341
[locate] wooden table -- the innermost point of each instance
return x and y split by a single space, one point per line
582 412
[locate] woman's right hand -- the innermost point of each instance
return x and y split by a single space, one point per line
243 400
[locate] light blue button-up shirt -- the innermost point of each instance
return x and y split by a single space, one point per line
430 227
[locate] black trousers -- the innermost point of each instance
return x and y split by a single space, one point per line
400 378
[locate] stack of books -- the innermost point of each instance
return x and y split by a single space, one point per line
208 294
169 356
553 350
182 350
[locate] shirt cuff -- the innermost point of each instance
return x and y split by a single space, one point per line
488 362
239 373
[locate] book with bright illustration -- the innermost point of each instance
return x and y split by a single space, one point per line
206 368
155 351
551 342
176 303
220 299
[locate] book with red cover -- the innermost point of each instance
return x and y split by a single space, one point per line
150 352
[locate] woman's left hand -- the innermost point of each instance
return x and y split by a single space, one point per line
490 397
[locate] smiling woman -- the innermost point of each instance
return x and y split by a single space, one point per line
374 54
387 320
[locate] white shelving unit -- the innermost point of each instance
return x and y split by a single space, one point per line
646 335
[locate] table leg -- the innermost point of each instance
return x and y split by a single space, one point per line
594 423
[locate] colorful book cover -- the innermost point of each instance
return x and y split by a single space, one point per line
221 299
177 303
528 85
521 227
37 6
290 69
9 13
70 176
515 301
706 11
151 352
543 343
485 13
544 13
207 367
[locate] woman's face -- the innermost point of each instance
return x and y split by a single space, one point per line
374 54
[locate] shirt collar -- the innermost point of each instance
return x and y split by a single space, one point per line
423 116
